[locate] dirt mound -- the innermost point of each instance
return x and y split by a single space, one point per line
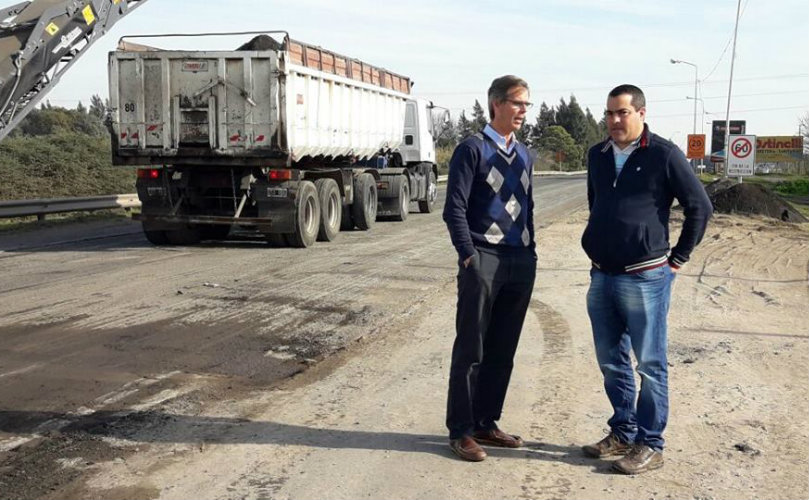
747 198
719 185
261 42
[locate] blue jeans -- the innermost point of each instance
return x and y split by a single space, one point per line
628 311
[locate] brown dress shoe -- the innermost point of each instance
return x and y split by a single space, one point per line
607 447
467 449
641 459
496 437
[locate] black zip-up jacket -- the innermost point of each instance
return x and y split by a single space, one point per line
628 228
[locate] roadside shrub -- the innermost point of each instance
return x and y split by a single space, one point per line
442 157
61 165
795 187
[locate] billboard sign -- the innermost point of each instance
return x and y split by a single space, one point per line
718 133
742 155
779 148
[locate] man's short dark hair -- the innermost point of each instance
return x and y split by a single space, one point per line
498 91
638 99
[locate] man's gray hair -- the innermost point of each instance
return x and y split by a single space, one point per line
498 91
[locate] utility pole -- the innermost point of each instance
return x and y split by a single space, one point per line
730 87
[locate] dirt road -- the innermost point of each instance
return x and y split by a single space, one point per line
367 422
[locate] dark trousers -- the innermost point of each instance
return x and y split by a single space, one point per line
493 296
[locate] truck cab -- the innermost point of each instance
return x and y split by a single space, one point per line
422 121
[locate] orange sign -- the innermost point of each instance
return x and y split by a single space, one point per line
696 146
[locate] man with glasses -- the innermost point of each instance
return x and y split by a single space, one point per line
632 179
489 214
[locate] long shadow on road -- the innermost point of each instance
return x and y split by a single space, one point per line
160 427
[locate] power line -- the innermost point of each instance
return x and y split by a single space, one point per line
648 85
736 111
758 94
656 101
722 55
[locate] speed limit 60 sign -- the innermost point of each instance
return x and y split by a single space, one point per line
742 155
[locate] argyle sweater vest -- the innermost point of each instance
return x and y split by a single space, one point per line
489 196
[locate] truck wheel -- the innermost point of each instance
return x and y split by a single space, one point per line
275 240
331 209
183 235
346 222
428 205
307 216
155 236
402 186
217 232
363 210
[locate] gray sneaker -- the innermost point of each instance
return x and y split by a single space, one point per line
607 447
641 459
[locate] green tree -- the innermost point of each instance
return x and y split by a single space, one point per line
55 120
571 117
602 127
57 152
594 134
466 127
525 134
545 118
446 134
556 140
98 107
479 117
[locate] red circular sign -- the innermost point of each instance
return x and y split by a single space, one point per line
741 148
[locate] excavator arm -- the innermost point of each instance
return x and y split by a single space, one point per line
40 40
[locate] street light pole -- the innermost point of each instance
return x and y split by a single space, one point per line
702 104
696 84
702 127
803 150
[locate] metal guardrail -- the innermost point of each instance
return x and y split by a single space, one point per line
42 207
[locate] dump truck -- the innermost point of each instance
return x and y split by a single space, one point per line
289 140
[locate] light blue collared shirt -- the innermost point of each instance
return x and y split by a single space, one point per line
621 155
502 142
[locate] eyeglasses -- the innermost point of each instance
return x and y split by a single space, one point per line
520 104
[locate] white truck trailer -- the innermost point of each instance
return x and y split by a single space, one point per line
289 139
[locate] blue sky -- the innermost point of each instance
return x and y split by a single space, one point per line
453 49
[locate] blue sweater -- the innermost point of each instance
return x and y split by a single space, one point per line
628 229
489 197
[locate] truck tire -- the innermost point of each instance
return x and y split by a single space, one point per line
275 240
216 232
331 209
183 235
154 236
363 210
402 186
307 216
346 222
428 205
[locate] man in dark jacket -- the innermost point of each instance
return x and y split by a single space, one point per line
489 214
632 180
